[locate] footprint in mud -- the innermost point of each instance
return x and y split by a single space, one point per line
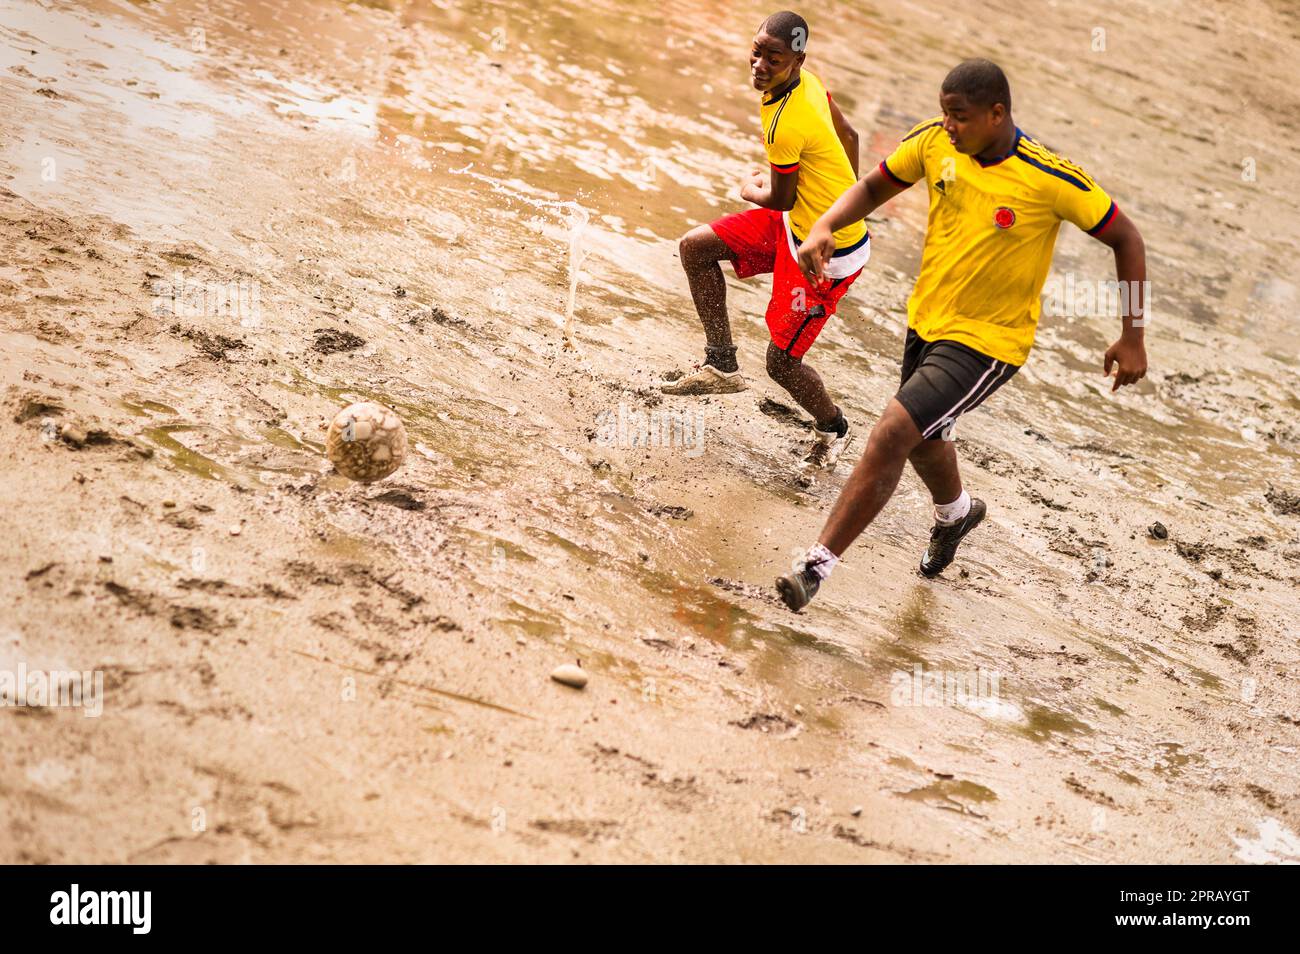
29 406
51 331
400 499
361 576
181 257
181 617
765 722
783 413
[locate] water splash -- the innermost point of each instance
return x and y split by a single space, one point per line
579 219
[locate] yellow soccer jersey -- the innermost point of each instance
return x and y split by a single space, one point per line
798 133
989 237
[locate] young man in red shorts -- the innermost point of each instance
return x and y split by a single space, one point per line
813 153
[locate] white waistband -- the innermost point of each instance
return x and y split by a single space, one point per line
841 266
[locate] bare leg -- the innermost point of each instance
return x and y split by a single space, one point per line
701 251
935 462
873 480
802 383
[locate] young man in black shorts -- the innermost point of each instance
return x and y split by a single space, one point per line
997 199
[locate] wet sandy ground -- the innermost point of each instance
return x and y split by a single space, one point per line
374 201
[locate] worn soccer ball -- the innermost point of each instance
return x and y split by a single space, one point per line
366 441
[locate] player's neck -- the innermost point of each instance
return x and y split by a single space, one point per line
791 83
1001 147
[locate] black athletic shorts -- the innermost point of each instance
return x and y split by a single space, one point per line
943 380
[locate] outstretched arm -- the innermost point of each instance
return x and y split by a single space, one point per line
858 201
1128 355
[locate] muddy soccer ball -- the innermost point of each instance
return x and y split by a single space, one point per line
366 442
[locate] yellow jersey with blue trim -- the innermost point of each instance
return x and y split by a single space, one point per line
799 134
990 236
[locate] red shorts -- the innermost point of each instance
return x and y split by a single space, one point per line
757 239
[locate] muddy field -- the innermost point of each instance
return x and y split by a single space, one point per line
221 220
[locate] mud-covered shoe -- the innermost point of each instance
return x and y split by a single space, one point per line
798 587
705 380
826 449
945 537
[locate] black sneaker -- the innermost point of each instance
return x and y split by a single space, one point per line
945 537
797 589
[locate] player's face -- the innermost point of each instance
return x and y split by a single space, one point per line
771 62
970 128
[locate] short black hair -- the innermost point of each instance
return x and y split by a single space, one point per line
789 28
981 81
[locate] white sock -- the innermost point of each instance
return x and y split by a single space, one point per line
820 560
950 513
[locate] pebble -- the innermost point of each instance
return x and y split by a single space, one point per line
857 810
798 710
569 675
169 503
1158 531
236 530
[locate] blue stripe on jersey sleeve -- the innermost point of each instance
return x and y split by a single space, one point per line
917 132
884 167
1105 219
1077 183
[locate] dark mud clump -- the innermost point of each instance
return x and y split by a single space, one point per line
333 341
1212 613
214 346
765 722
1283 503
436 315
672 511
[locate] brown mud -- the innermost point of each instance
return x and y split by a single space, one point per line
221 220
